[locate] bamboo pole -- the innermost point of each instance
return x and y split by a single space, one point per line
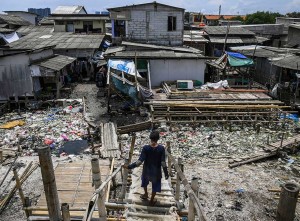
132 147
191 214
18 184
112 162
65 210
7 172
97 183
190 192
125 175
177 189
169 160
49 183
1 156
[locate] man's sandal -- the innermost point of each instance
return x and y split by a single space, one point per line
144 197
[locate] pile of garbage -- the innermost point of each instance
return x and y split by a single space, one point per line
53 127
192 144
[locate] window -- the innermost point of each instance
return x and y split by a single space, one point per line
171 23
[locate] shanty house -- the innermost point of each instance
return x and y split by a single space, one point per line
236 37
66 43
275 66
161 63
28 16
152 23
26 73
79 23
211 20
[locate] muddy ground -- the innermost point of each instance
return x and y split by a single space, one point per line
227 194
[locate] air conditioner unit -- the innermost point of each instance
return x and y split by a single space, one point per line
185 85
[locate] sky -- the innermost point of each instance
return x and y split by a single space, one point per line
241 7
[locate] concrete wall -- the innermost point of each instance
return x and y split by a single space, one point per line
152 27
60 28
294 35
99 24
175 69
148 24
79 25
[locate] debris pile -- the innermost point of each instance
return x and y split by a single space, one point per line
53 127
195 143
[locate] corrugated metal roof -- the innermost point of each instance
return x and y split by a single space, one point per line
290 61
159 54
5 30
24 30
74 9
230 40
264 51
160 47
56 63
46 21
61 40
13 20
221 30
143 4
81 17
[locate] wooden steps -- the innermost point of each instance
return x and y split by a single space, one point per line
161 209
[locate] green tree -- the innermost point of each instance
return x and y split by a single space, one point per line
262 17
238 18
293 14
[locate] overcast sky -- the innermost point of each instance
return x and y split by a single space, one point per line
206 6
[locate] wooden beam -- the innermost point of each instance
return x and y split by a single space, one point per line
49 182
65 209
97 183
18 184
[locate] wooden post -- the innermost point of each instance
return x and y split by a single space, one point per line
191 214
91 138
1 156
124 183
49 183
169 159
65 212
27 205
18 184
97 183
287 203
177 190
132 147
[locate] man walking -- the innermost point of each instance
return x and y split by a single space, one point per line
154 158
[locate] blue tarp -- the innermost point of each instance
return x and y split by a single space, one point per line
236 55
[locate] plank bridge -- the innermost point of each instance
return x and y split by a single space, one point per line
83 191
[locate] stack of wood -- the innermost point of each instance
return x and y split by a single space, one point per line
134 127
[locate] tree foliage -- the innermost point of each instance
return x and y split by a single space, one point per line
262 17
293 14
238 18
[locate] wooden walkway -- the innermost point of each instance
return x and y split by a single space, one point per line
140 209
110 146
74 185
285 143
